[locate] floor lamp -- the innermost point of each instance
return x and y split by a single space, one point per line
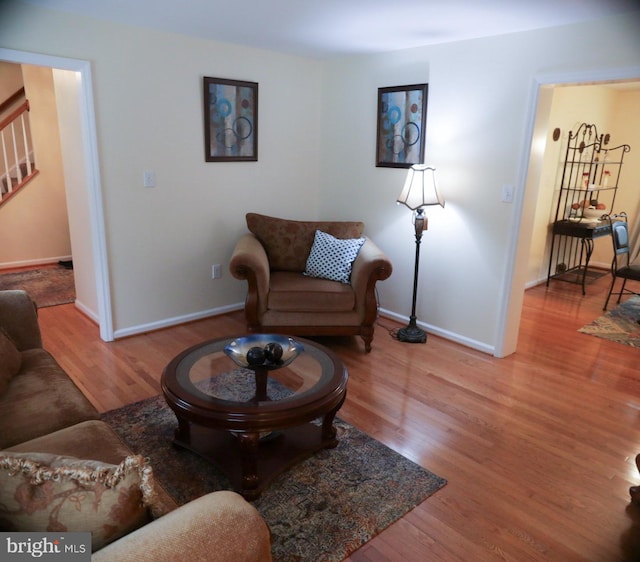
419 190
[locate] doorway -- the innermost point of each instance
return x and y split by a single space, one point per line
35 223
611 108
77 120
526 196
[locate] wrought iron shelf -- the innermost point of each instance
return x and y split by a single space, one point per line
587 165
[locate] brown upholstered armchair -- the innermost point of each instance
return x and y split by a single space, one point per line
273 258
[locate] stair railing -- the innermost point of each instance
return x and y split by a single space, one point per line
17 153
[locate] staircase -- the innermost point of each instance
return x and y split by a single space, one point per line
17 166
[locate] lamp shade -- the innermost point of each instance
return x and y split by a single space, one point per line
420 188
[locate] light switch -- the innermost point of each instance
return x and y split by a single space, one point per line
149 178
507 193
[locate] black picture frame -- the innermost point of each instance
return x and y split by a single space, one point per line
402 120
230 120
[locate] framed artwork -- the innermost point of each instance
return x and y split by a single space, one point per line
230 120
402 119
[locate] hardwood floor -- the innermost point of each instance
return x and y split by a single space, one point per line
538 448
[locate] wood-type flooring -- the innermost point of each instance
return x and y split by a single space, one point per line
538 448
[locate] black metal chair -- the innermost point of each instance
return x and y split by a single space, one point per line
620 266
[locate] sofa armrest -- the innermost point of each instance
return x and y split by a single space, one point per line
249 261
19 319
219 527
371 266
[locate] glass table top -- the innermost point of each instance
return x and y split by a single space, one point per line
206 372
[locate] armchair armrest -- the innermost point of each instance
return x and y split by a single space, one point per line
218 527
19 319
249 261
371 266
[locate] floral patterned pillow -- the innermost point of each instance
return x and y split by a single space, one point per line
41 492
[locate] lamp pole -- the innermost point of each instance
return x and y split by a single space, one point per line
412 333
419 191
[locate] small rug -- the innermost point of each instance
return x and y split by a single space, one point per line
49 286
619 325
322 509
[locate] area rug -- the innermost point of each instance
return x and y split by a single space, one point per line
48 286
619 325
322 509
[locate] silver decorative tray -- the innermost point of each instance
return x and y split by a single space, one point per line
263 351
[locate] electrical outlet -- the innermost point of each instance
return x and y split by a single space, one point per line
216 271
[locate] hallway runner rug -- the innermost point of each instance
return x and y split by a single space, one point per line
47 286
619 325
323 508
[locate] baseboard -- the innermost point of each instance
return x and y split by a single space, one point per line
600 265
87 312
532 284
592 265
452 336
176 320
169 322
33 263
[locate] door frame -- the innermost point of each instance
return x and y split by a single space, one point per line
521 231
88 134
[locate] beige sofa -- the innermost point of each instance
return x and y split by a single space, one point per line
49 430
290 292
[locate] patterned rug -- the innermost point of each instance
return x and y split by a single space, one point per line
619 325
322 509
49 286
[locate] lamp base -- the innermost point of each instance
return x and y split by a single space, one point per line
412 334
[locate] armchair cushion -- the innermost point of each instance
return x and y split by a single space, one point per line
332 258
293 292
11 360
42 492
288 243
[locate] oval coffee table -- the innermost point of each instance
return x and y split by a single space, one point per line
252 440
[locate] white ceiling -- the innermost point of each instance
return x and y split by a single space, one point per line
324 28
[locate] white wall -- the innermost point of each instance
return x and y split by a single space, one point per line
479 104
148 89
67 87
317 158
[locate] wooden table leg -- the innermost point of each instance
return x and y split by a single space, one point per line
328 430
183 431
249 459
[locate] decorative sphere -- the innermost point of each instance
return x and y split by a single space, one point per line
255 356
273 352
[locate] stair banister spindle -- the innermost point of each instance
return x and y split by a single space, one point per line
15 154
27 156
6 165
16 173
